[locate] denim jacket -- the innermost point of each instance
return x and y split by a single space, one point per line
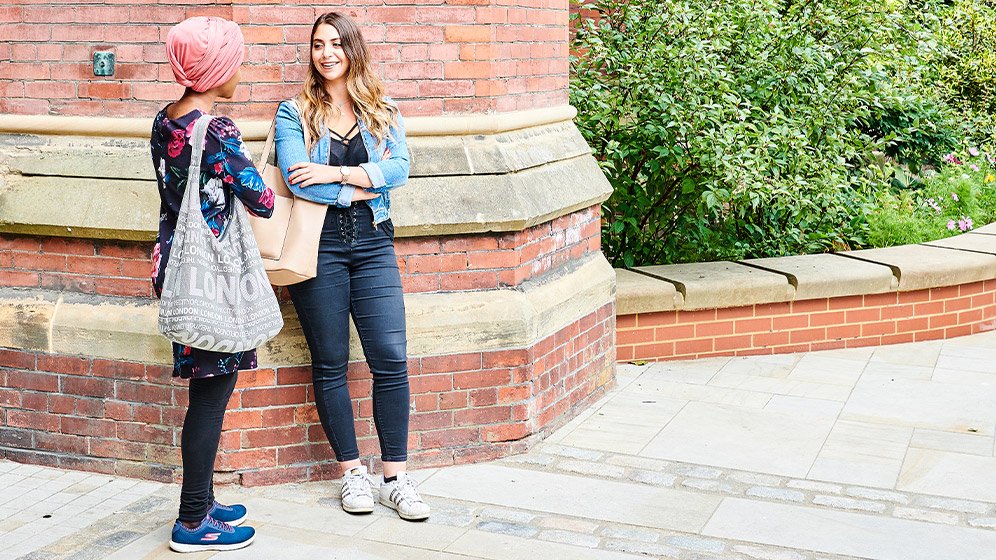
385 174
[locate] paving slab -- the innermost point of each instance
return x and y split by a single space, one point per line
923 404
782 443
826 275
945 473
722 284
853 534
573 495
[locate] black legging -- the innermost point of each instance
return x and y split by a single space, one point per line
199 443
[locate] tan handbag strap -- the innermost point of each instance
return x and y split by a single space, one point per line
268 155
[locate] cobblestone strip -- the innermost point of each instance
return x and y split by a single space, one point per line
901 505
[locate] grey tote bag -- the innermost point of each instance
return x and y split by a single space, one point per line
215 294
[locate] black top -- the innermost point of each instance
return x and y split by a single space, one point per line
347 150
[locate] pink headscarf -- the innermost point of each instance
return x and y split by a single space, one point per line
205 52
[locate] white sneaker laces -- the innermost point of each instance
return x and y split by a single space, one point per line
407 491
357 484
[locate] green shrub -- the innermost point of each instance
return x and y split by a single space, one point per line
966 66
732 129
959 198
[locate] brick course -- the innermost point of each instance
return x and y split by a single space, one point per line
427 264
435 58
803 326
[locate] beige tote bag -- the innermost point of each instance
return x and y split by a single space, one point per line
288 241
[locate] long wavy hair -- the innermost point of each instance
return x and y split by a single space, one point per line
365 89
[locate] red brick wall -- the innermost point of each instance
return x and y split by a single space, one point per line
427 264
125 418
453 57
802 326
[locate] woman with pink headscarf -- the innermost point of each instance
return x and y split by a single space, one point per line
205 54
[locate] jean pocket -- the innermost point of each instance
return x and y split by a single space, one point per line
388 227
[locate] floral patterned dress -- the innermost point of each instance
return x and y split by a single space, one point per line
226 170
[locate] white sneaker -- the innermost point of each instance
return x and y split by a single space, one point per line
357 497
402 497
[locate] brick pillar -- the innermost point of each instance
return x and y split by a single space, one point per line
510 303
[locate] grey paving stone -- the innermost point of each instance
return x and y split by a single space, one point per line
654 478
572 452
925 515
873 494
592 469
510 515
849 503
814 486
452 519
710 485
760 553
699 472
984 522
638 462
504 528
568 524
755 478
648 549
700 544
631 534
776 494
569 537
539 459
952 504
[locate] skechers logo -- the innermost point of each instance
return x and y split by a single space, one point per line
211 537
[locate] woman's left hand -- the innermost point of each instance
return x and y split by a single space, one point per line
305 174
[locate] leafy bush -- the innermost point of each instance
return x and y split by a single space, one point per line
959 198
732 129
966 65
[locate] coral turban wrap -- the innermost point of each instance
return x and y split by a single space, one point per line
205 52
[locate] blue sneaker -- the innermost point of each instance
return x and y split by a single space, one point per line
211 534
234 514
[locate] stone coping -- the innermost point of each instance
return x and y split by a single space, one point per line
460 184
443 125
962 259
440 323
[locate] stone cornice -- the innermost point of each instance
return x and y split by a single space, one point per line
444 125
443 323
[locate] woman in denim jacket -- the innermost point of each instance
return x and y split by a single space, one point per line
355 153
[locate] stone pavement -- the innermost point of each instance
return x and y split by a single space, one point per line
884 453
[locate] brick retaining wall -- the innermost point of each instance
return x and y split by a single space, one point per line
806 325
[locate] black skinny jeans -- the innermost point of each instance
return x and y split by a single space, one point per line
357 275
199 443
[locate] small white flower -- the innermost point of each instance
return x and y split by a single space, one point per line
214 193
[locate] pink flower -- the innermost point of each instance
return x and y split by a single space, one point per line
974 152
952 225
176 144
951 158
962 224
954 197
968 221
266 198
974 167
217 168
156 257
